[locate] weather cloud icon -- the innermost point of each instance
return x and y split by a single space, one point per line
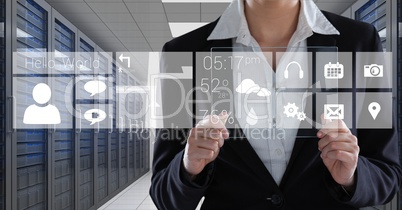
248 86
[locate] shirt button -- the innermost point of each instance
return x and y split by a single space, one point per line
279 152
276 200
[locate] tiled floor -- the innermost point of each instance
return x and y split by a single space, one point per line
136 196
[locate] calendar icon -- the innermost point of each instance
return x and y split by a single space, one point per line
333 71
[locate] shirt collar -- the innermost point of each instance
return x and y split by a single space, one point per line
233 22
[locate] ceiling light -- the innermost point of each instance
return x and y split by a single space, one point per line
181 28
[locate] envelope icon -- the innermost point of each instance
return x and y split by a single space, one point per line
334 111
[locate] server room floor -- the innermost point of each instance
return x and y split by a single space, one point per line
136 196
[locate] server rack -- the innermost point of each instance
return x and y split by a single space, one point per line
103 135
145 142
147 153
9 130
3 101
137 135
86 137
140 135
63 140
102 165
131 140
375 13
123 120
114 141
63 143
30 162
398 37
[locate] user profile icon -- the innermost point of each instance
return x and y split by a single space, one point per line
42 113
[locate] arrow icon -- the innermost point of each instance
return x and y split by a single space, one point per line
122 58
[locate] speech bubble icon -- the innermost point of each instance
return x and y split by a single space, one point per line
95 87
95 116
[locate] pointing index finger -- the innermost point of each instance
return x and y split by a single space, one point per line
214 121
329 126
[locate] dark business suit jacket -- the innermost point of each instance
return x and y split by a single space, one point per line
238 179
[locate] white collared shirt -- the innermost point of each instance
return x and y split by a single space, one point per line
273 151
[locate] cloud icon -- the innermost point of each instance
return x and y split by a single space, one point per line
249 86
264 92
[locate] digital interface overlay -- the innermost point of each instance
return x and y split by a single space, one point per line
59 90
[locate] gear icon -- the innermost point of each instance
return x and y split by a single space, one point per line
290 110
301 116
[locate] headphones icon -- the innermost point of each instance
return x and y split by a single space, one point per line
301 74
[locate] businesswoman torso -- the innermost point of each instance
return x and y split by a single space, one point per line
239 176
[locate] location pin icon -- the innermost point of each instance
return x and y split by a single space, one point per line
374 108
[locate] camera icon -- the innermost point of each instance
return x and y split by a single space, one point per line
373 70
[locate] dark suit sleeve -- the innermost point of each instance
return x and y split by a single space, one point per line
378 173
171 187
